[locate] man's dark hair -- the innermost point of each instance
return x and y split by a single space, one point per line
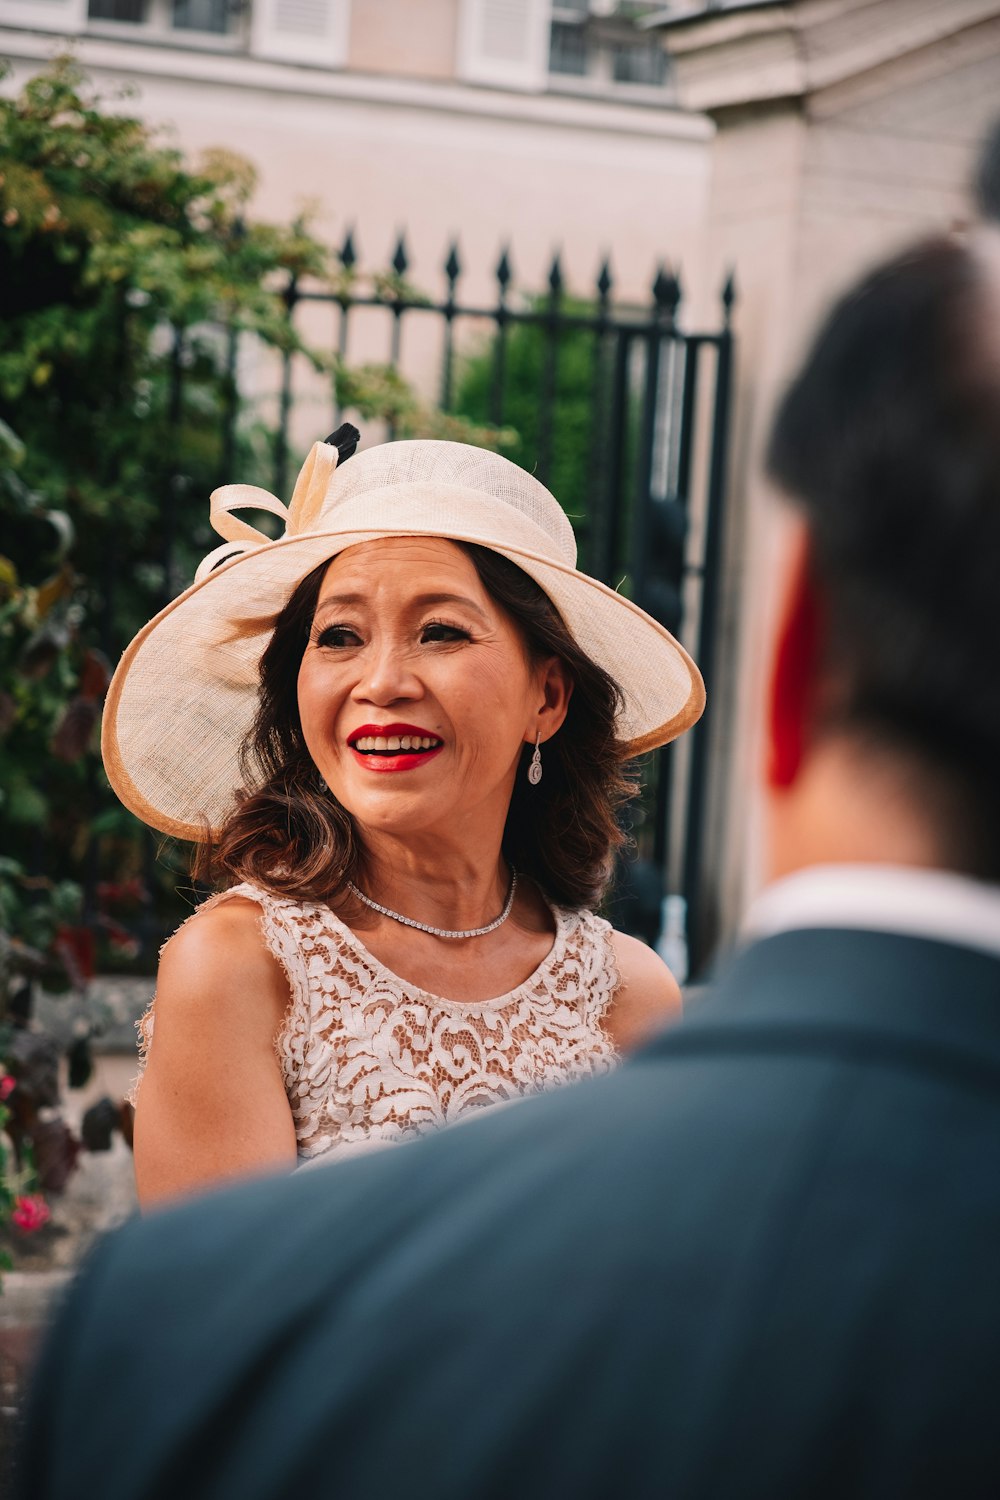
889 440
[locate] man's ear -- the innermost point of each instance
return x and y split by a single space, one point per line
795 666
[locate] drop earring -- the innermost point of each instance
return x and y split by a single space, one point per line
535 768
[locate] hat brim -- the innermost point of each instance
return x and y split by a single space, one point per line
185 692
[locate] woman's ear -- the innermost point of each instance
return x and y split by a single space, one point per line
556 688
795 667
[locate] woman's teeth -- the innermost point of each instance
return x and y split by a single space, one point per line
394 742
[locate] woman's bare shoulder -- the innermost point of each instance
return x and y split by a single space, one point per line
648 997
220 949
230 920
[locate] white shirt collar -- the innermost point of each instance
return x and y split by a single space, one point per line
883 898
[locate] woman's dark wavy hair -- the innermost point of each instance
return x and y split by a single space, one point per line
291 836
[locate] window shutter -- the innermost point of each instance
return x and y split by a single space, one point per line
67 16
302 31
505 42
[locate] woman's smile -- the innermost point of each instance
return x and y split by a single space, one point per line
393 747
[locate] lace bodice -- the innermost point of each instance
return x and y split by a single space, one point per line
369 1059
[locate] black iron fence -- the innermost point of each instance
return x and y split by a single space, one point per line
620 407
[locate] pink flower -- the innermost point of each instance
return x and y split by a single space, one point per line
7 1087
30 1212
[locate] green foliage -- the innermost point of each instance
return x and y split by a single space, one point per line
111 249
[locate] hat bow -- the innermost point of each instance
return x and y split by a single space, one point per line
299 515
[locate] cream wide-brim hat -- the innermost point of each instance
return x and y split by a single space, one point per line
185 693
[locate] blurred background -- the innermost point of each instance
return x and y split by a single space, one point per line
593 235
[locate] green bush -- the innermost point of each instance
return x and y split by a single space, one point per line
115 256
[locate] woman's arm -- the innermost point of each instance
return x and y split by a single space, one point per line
212 1104
648 997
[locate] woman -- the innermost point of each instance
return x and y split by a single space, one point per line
399 732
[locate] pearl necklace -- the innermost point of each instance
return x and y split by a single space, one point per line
440 932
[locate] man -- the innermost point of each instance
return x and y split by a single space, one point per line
763 1259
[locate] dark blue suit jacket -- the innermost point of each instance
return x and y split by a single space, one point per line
761 1260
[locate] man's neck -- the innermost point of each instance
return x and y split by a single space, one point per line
857 806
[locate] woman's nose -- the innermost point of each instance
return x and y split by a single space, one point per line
387 676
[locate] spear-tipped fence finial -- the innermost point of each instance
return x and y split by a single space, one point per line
400 259
452 266
728 296
666 291
348 253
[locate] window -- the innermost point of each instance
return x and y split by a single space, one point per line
598 41
568 50
639 63
118 10
211 17
205 15
313 32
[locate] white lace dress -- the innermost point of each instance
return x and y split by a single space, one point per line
369 1059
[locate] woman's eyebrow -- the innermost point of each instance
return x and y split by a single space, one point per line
423 600
418 602
339 601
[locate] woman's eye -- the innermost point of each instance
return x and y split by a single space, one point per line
338 636
438 632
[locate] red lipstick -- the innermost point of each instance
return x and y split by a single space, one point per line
387 729
383 761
